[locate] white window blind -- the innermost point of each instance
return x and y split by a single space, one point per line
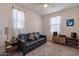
18 19
55 24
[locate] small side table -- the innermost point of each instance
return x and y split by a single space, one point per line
11 47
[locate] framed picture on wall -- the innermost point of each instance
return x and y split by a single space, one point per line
70 22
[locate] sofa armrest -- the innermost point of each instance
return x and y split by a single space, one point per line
21 42
43 36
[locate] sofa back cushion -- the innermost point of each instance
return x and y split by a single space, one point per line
22 36
32 36
28 34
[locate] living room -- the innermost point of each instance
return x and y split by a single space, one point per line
22 18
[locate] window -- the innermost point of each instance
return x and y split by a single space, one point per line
18 19
55 24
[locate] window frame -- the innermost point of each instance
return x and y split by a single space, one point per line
54 24
20 21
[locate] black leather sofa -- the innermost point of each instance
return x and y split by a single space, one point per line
26 44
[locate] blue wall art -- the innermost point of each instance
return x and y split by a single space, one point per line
70 22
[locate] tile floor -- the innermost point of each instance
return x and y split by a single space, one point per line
52 49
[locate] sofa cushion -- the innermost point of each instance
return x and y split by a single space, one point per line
22 36
28 34
33 42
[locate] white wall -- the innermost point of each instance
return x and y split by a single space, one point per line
66 14
4 22
32 22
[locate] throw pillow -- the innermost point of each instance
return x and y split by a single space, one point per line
31 36
36 35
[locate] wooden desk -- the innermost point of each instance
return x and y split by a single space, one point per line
72 42
59 39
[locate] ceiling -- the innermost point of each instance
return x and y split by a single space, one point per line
52 7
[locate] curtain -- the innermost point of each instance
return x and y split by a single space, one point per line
18 21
